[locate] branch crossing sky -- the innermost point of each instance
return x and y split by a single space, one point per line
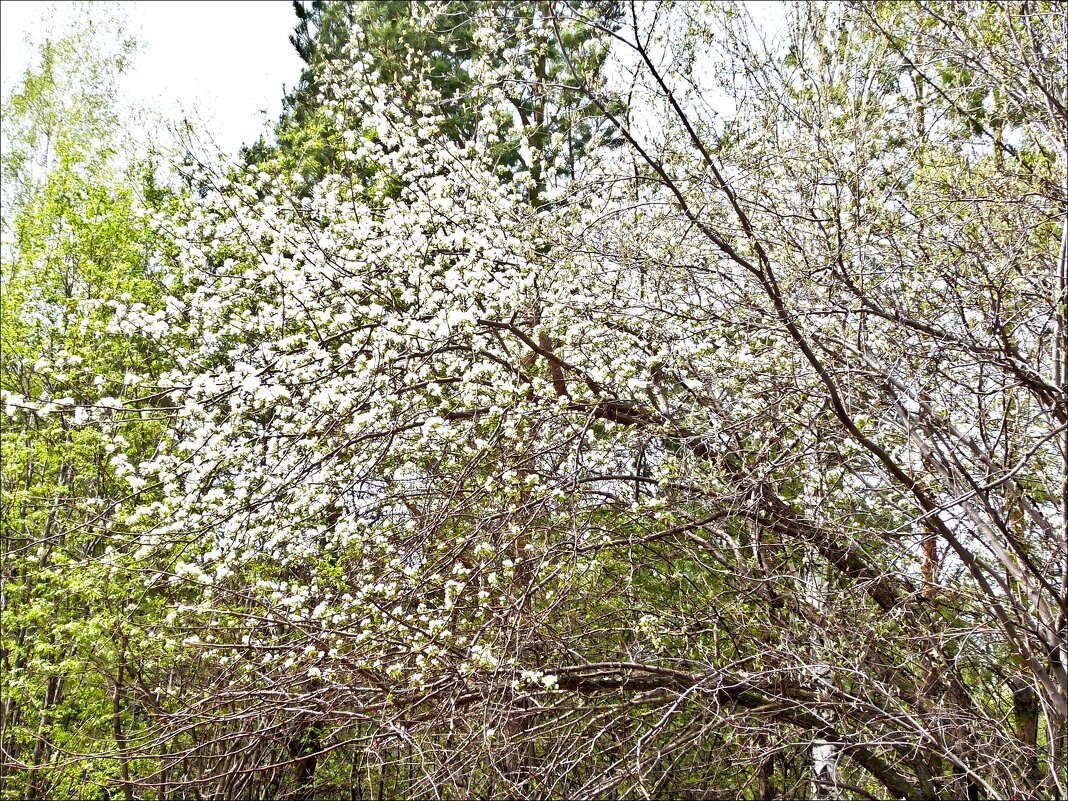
221 64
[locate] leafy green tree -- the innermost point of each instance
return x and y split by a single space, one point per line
78 254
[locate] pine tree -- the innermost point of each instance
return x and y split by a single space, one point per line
446 43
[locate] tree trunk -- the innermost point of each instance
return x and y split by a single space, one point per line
116 713
1025 708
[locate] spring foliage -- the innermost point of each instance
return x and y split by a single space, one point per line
729 461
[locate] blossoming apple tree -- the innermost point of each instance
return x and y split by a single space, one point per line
732 458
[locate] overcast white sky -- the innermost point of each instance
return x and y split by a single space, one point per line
222 62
